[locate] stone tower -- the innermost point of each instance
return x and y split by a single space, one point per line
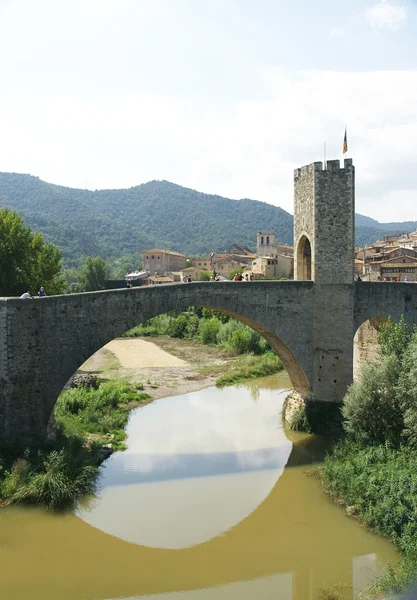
265 243
324 227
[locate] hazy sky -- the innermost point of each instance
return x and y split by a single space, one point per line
223 96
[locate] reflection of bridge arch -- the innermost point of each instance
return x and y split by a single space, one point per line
263 544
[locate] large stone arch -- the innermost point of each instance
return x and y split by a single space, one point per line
53 336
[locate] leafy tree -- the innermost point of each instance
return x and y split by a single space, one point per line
394 337
407 392
371 409
93 274
237 271
26 260
205 276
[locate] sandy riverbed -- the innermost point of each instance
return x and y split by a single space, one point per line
136 353
165 366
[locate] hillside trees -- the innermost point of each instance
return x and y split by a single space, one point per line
26 260
93 274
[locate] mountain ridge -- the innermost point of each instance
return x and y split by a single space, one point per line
120 223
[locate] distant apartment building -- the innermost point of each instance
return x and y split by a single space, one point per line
159 262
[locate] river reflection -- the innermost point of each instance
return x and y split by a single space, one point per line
196 464
211 500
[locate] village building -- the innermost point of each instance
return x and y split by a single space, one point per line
159 262
158 279
393 269
385 260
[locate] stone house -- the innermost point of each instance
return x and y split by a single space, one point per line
393 269
159 262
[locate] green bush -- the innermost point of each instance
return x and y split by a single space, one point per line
209 328
56 479
371 410
226 331
178 327
193 327
394 337
249 366
407 392
80 411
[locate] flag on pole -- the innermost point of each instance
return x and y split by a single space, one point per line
345 146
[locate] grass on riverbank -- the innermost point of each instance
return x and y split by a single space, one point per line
249 366
58 475
55 476
378 484
100 414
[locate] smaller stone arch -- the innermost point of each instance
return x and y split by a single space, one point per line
365 343
303 259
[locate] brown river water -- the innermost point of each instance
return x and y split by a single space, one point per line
212 500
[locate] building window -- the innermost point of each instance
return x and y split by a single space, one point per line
269 262
267 240
262 240
158 257
147 258
153 257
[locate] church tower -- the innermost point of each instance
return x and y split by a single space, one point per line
265 243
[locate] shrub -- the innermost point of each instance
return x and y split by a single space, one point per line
394 337
193 327
407 392
209 328
247 367
371 410
178 327
55 479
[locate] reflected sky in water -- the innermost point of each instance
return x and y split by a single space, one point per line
196 465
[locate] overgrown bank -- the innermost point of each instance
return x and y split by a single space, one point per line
372 469
60 473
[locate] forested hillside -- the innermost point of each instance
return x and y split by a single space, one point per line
118 224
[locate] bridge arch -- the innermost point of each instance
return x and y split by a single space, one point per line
303 255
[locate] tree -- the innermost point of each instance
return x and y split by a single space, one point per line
26 260
205 276
371 408
394 337
237 271
93 274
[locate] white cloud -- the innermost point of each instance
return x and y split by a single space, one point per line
244 150
337 32
385 15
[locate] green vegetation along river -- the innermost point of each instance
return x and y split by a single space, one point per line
212 499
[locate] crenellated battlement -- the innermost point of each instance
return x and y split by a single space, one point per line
331 165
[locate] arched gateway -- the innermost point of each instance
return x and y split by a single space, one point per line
310 324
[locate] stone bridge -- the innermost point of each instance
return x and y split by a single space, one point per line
44 341
310 322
